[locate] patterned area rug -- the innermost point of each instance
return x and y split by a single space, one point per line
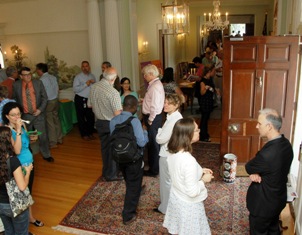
99 210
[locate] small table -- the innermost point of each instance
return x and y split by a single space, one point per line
188 89
67 115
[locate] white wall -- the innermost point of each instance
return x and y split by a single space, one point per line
34 25
149 19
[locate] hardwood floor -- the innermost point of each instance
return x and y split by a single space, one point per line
59 185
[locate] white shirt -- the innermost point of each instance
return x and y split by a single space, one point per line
164 134
186 175
154 99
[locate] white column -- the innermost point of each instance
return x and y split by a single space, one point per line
94 37
128 41
112 34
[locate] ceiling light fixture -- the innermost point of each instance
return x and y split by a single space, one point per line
214 20
175 18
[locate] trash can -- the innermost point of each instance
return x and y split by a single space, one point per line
229 167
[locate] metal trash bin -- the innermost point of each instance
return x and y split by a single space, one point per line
229 167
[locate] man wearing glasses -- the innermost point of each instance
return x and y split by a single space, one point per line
31 95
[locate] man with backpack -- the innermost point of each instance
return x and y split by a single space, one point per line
126 145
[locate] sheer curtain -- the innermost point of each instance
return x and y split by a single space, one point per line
1 59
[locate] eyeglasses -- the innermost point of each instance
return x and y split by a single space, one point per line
25 74
15 115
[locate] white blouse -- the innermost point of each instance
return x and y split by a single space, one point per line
186 175
164 134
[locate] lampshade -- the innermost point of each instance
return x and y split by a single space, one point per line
175 18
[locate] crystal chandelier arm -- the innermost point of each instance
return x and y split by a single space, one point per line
215 22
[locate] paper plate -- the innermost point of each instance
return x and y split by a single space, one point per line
34 132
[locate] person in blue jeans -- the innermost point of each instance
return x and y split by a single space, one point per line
13 225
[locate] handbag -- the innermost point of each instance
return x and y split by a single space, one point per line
19 200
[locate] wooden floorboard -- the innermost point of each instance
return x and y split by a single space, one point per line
59 185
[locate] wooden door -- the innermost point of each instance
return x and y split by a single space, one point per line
259 72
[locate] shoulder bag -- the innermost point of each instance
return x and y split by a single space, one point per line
19 200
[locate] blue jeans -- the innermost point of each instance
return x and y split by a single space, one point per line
14 225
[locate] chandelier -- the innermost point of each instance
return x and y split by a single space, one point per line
175 18
214 21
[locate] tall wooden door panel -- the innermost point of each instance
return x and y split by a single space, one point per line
259 72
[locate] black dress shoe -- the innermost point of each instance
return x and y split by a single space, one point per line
150 174
49 159
157 210
114 179
130 221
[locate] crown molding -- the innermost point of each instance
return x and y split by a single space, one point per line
13 1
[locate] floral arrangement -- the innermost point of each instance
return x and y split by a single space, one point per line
65 74
61 71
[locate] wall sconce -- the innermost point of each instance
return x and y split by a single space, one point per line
145 45
144 50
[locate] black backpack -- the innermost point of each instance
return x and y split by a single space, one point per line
123 144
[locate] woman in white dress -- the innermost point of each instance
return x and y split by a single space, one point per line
171 107
185 213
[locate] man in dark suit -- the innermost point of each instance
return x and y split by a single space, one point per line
268 170
31 95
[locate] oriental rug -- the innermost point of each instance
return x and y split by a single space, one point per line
99 210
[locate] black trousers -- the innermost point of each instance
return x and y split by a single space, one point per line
153 146
264 226
133 175
205 116
85 116
109 165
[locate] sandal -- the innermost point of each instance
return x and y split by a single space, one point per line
38 223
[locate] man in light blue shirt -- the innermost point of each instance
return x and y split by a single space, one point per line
133 171
81 87
50 83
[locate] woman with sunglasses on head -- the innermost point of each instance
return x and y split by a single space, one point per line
11 116
185 212
171 107
19 224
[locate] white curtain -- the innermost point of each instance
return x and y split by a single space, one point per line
1 59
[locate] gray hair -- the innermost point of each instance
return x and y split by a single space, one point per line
273 117
109 75
151 69
10 70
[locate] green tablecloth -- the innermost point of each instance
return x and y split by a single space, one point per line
67 115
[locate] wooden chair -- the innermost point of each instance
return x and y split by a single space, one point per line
182 69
